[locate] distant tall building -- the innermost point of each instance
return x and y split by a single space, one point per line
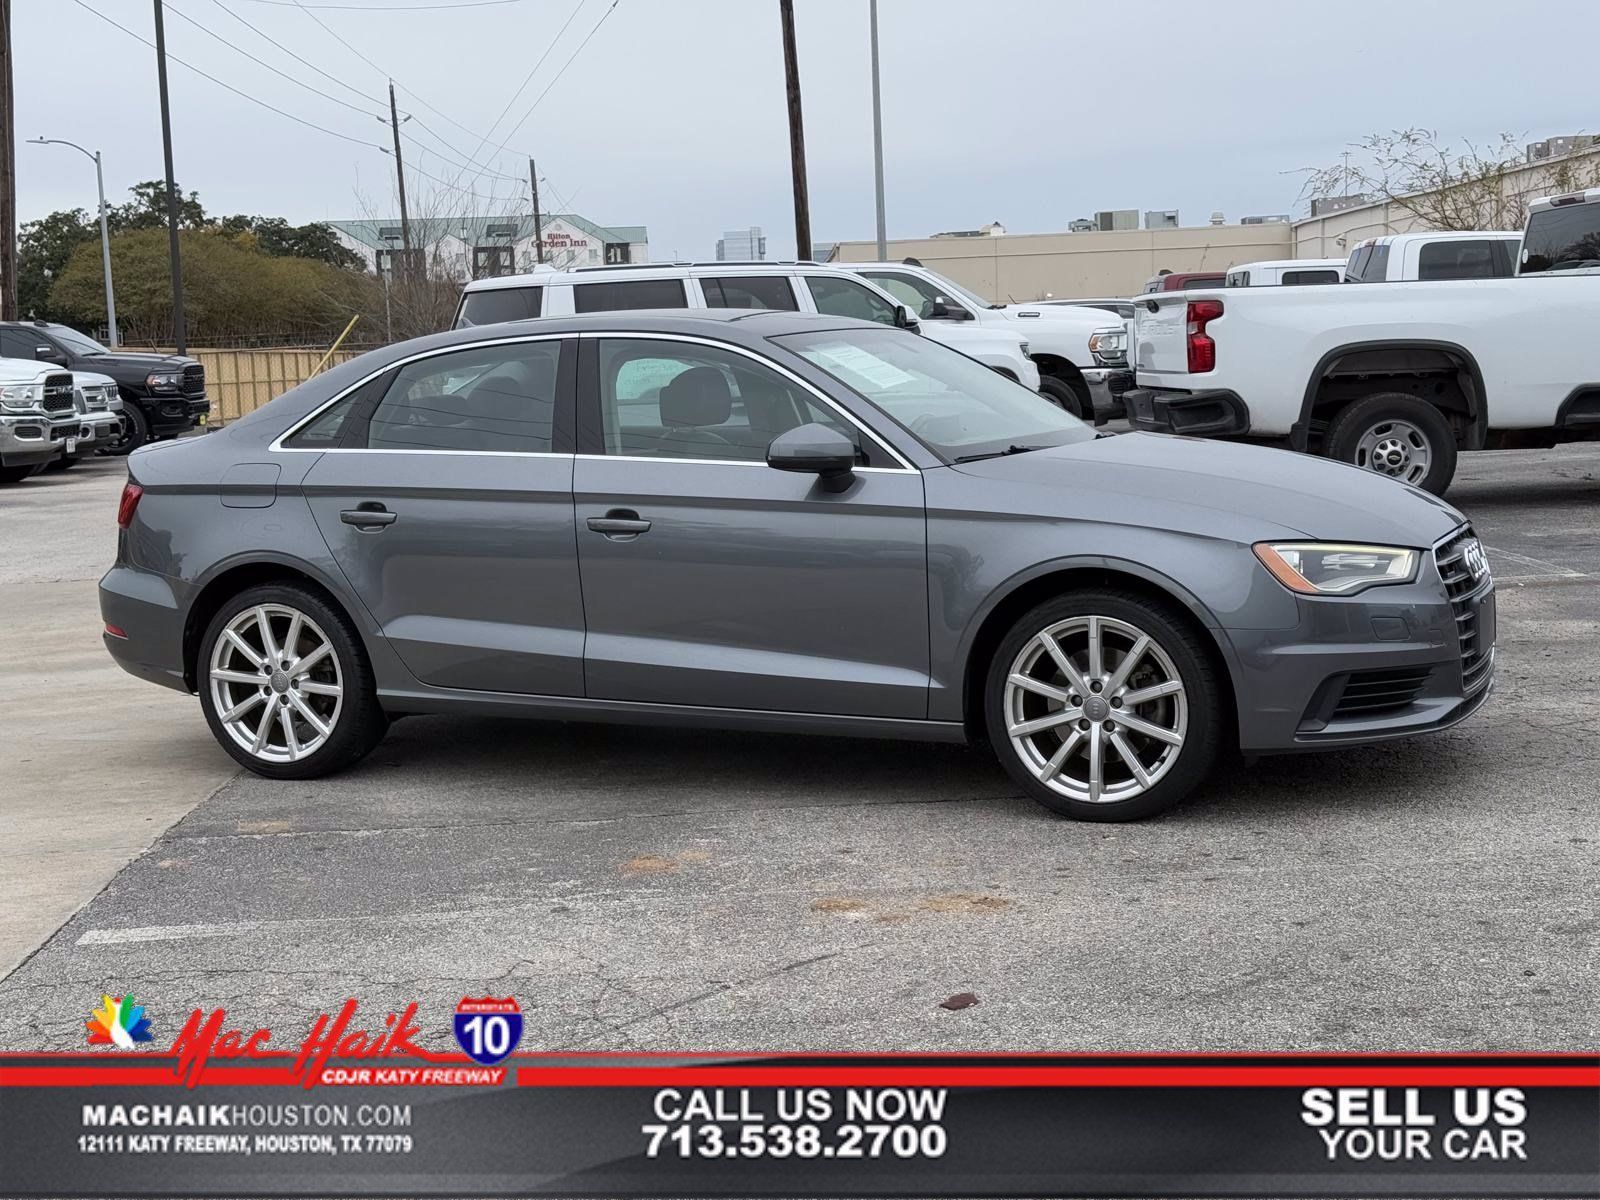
742 245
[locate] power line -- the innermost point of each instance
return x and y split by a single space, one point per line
265 36
387 7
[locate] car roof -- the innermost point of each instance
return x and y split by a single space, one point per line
1288 263
740 324
632 271
1440 236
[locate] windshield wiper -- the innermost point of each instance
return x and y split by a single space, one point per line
966 458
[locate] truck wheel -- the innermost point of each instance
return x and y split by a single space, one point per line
1103 705
61 464
135 431
15 474
1073 398
1396 435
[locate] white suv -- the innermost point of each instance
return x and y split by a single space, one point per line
791 287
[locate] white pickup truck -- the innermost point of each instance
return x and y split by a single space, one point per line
1395 378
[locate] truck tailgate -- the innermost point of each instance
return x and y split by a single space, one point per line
1160 338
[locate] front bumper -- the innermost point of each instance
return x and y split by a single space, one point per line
1217 413
1027 374
29 439
95 430
1107 387
1389 663
177 414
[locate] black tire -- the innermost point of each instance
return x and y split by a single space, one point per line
135 431
61 464
16 474
1371 414
1069 395
361 722
1188 655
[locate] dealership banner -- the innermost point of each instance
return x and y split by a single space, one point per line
353 1106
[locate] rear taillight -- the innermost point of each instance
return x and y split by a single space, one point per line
130 502
1202 350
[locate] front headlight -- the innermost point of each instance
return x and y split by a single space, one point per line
22 395
163 381
1333 568
1109 343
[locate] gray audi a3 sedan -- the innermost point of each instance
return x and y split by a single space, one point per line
785 522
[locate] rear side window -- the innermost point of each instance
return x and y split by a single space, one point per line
847 298
1319 275
1238 279
1457 259
329 427
488 398
613 295
749 291
497 305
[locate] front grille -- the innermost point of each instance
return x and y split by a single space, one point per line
1369 693
194 380
1465 592
58 394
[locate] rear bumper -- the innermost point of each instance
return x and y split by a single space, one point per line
1218 413
147 608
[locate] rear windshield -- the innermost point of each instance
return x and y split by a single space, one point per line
1565 238
1314 275
498 304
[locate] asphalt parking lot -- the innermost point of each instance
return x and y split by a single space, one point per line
651 889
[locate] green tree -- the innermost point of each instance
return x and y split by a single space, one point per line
148 209
43 250
275 236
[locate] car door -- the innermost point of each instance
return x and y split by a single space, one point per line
444 491
711 579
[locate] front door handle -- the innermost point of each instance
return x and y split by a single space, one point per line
370 515
620 524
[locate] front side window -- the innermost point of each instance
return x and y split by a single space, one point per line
749 291
489 398
955 406
916 294
616 295
664 399
1565 237
491 307
14 344
839 297
1468 258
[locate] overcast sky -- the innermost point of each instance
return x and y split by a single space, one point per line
1029 112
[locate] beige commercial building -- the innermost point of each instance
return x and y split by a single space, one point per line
1036 266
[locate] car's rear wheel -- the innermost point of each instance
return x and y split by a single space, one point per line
1064 394
1103 705
286 685
1396 435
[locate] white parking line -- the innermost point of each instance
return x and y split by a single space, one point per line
1545 570
228 929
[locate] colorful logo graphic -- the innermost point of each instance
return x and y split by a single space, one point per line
488 1029
120 1023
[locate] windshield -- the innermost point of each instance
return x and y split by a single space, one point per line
78 342
954 405
1564 238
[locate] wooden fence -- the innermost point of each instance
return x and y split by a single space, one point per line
241 381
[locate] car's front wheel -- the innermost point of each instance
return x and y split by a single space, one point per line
1104 705
286 685
134 433
1069 395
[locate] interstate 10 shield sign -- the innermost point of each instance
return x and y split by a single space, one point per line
488 1029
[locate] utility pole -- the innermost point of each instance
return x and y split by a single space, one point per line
400 178
179 332
8 174
538 224
797 135
877 134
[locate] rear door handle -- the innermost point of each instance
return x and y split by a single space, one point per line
368 516
620 524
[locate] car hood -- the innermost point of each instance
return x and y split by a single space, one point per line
134 361
1245 493
1075 314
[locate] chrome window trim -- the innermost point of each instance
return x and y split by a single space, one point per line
721 462
277 446
850 419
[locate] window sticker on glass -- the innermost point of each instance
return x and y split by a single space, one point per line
868 366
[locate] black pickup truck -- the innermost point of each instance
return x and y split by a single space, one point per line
163 394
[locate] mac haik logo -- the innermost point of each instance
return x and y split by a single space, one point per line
488 1029
119 1022
205 1036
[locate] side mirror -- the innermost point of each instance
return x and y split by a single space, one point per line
903 318
49 354
818 450
945 310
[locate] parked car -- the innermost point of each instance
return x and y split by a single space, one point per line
781 521
165 393
1402 257
1395 379
37 417
784 287
1058 336
100 425
1177 281
1286 272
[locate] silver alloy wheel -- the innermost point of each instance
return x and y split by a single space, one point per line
1397 449
276 683
1095 708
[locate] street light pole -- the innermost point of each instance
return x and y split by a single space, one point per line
179 331
105 233
877 134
